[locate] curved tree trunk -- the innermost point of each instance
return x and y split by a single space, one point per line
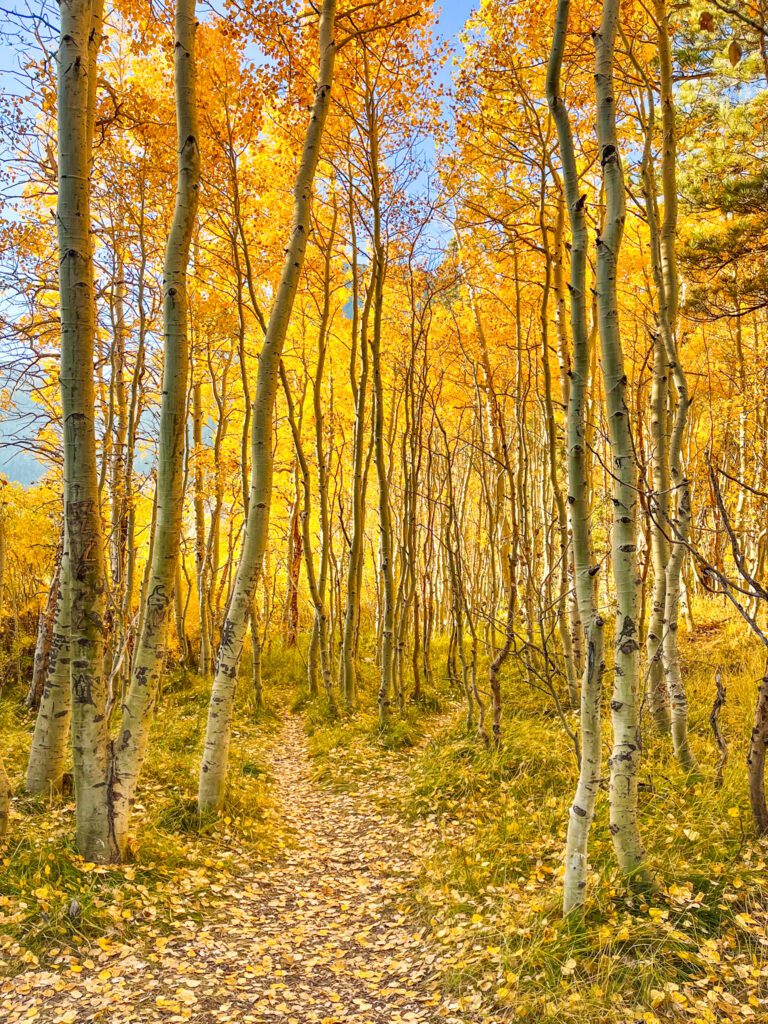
583 806
213 769
149 655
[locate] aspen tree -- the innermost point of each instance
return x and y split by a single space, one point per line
201 565
321 624
458 605
564 360
216 752
659 497
131 742
5 798
509 527
625 755
359 386
314 579
386 567
583 806
50 739
118 422
291 606
45 630
135 409
659 502
668 288
571 671
216 573
80 39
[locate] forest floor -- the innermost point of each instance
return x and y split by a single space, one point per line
411 876
326 933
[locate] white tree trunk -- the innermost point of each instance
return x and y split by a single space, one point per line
81 28
131 742
583 806
625 755
213 769
50 740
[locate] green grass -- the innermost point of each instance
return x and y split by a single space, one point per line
50 900
491 826
693 948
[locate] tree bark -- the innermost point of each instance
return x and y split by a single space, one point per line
359 479
50 739
758 744
668 287
81 30
583 807
45 629
213 769
131 742
625 755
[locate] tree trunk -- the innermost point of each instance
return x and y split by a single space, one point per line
5 799
668 299
583 806
50 740
81 30
359 479
213 769
625 755
319 651
201 562
45 628
131 742
563 623
758 744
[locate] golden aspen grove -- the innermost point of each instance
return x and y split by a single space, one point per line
383 511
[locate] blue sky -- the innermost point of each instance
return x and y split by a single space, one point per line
454 14
19 465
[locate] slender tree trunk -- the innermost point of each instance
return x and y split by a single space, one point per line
571 670
583 807
131 742
81 29
319 650
386 567
5 799
257 684
50 740
322 625
118 474
359 454
625 756
295 553
179 608
213 769
668 303
656 690
758 744
45 628
201 562
561 318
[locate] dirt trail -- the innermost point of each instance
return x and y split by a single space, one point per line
327 934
